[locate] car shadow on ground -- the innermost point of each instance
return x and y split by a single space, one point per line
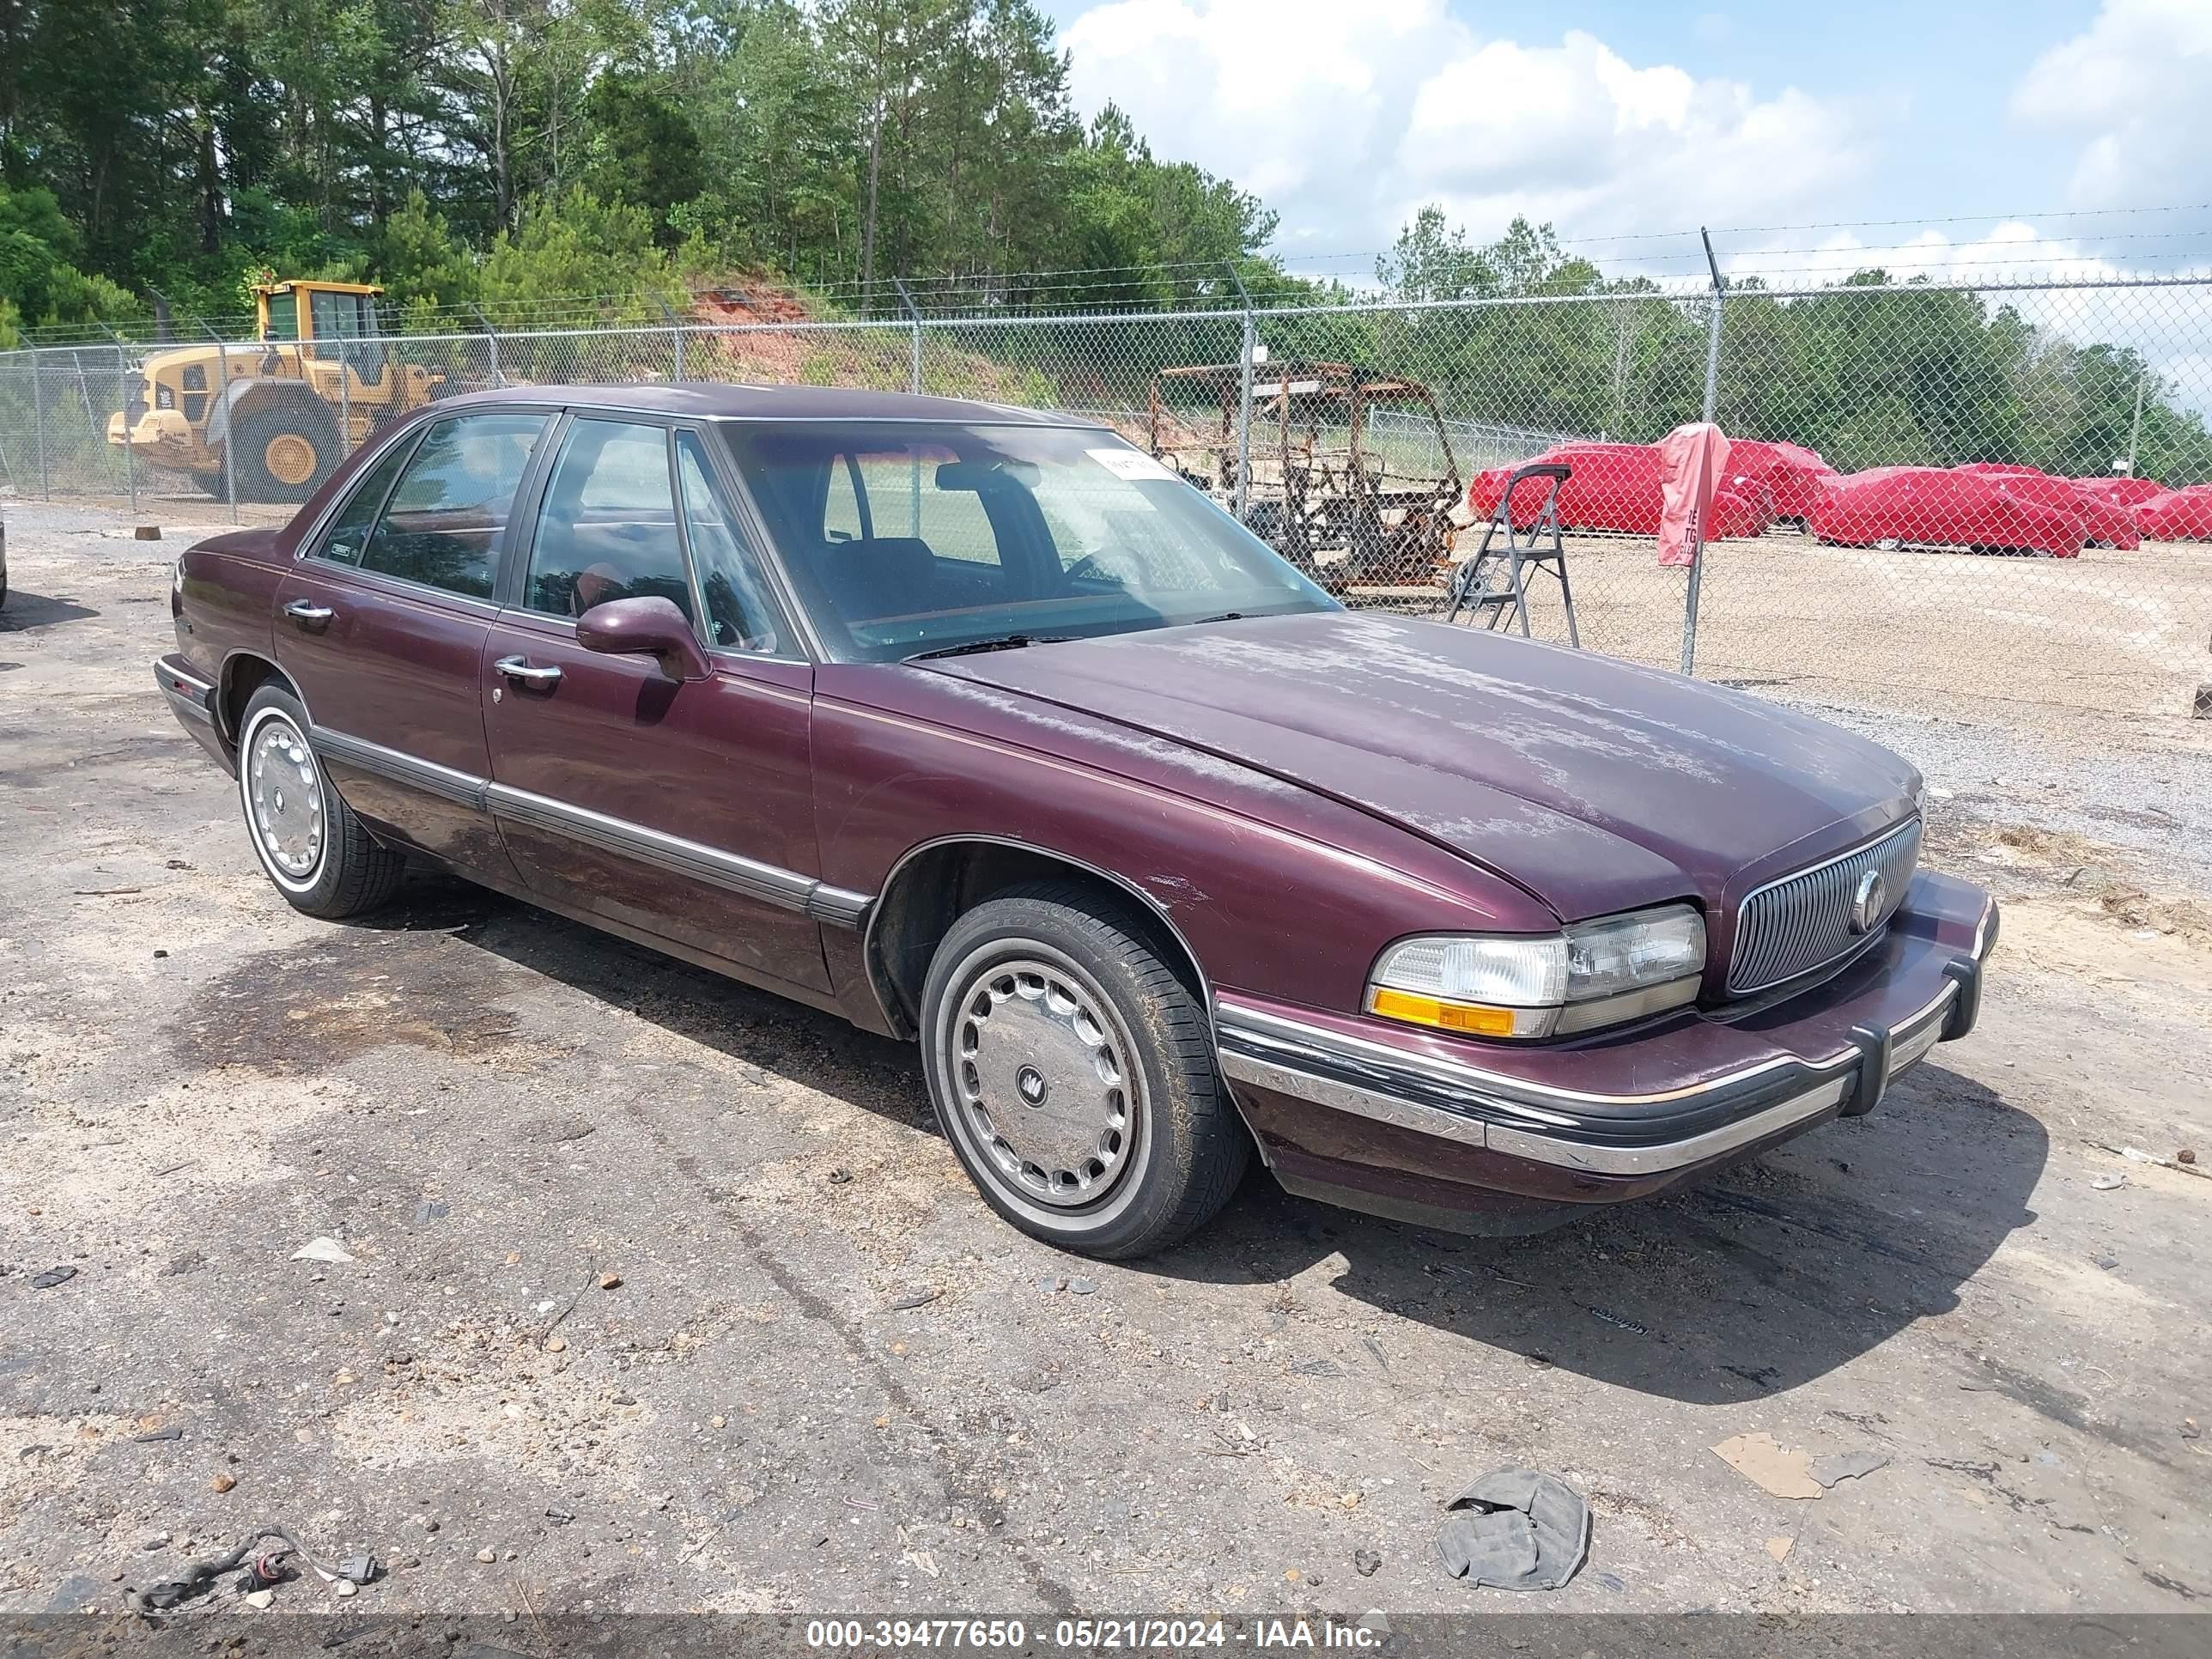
24 612
1759 1279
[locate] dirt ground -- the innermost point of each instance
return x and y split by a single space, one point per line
665 1295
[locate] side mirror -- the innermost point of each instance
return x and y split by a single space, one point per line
644 627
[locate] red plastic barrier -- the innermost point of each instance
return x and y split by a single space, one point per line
2102 521
1795 475
2178 515
1931 506
1614 487
2121 491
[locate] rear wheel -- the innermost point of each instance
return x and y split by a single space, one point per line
1073 1071
284 453
308 838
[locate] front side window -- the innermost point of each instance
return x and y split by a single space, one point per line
608 528
902 539
448 512
740 615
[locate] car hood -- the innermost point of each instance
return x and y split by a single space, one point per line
1595 784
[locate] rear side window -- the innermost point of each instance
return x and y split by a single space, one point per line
444 523
608 528
348 538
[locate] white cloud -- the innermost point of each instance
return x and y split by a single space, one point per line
1576 134
2135 83
1347 119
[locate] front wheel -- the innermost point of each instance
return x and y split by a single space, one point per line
308 838
1073 1073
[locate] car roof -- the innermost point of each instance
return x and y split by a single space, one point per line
717 400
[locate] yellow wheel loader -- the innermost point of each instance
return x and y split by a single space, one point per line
274 418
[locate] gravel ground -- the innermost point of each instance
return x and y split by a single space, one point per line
665 1295
2142 792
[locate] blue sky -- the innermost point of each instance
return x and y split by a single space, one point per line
1619 120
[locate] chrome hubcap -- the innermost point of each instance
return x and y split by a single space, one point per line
1040 1074
287 798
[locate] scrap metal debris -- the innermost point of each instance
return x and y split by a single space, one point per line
264 1569
53 1277
1519 1529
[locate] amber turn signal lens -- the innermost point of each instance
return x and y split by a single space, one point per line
1444 1016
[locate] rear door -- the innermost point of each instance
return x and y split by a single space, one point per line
679 809
382 624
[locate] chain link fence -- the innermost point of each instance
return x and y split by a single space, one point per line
1994 501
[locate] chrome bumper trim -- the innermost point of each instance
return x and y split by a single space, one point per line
192 697
1463 1104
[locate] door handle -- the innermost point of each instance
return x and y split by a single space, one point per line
523 671
311 617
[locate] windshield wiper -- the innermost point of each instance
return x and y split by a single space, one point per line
1226 615
996 642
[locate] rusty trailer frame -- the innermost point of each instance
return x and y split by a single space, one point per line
1335 510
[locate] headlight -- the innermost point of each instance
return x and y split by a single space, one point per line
1520 984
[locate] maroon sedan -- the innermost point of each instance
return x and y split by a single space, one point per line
978 727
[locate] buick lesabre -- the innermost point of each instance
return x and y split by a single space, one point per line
978 727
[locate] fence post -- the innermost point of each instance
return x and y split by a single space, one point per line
675 337
1244 494
914 321
123 387
2134 426
345 399
491 334
229 434
38 422
1712 403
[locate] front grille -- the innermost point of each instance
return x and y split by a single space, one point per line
1803 921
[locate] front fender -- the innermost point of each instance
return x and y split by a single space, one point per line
1276 891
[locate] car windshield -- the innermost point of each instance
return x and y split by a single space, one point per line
907 537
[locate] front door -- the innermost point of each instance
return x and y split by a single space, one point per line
382 626
683 808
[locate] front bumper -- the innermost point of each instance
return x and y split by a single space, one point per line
1454 1133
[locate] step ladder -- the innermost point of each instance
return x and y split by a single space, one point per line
1496 579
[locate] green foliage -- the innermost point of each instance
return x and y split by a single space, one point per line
578 246
1915 374
503 154
37 283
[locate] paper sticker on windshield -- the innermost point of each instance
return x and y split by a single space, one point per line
1131 464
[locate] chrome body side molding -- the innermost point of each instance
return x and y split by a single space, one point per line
771 884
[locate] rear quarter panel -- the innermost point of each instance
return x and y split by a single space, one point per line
228 599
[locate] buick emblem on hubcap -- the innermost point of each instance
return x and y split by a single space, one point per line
1866 904
1030 1082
